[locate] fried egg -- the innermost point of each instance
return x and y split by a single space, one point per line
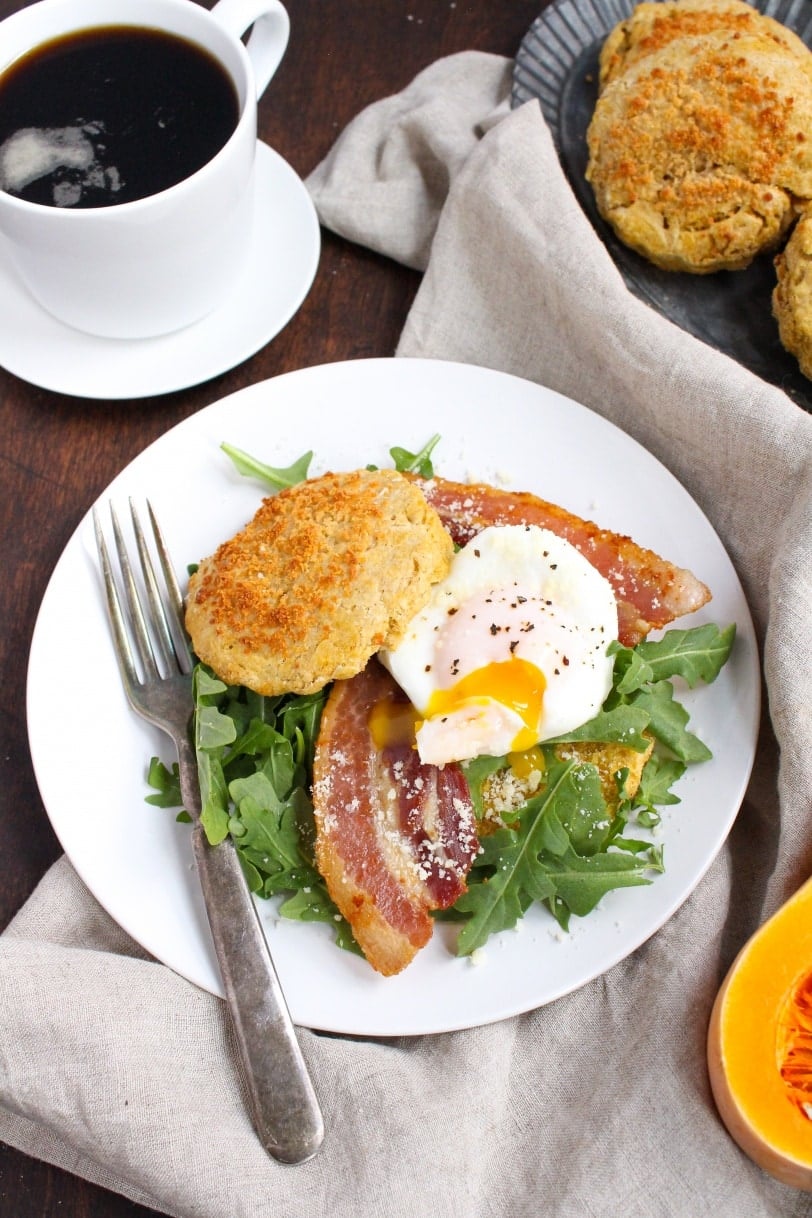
510 650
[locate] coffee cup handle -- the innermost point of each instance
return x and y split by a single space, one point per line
270 30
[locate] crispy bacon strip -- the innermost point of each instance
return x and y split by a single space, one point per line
650 591
394 838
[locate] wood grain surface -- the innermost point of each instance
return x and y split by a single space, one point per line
57 453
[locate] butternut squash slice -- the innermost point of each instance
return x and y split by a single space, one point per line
760 1045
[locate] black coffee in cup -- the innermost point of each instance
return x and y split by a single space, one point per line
111 114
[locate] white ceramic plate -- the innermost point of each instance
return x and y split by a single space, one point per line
279 271
90 751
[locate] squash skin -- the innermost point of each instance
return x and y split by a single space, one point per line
748 1038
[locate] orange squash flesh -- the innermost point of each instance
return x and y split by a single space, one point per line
760 1044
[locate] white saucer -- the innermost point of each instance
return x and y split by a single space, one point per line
277 277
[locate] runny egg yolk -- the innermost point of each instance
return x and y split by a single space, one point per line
515 683
527 763
393 723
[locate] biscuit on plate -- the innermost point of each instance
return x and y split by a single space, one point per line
326 574
651 26
700 155
792 295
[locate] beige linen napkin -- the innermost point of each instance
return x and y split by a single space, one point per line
598 1104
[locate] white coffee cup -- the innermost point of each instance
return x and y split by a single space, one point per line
160 263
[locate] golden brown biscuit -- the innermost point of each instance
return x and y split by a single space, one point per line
326 574
700 154
792 296
651 26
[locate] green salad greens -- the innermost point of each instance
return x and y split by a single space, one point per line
564 846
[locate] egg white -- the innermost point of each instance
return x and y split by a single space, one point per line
511 648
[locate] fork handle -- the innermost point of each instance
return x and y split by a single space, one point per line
284 1105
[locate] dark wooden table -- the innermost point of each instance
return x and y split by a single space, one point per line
57 453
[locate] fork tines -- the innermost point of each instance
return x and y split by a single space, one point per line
155 615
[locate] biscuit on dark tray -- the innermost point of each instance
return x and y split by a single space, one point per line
792 296
700 154
651 26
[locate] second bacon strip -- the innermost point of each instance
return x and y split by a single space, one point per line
650 591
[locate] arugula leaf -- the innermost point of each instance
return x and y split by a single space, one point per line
165 783
415 463
623 724
212 734
277 479
308 905
213 729
580 883
658 777
299 718
213 798
667 720
631 672
311 904
581 809
695 654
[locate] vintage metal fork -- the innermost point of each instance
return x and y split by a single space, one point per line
285 1109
